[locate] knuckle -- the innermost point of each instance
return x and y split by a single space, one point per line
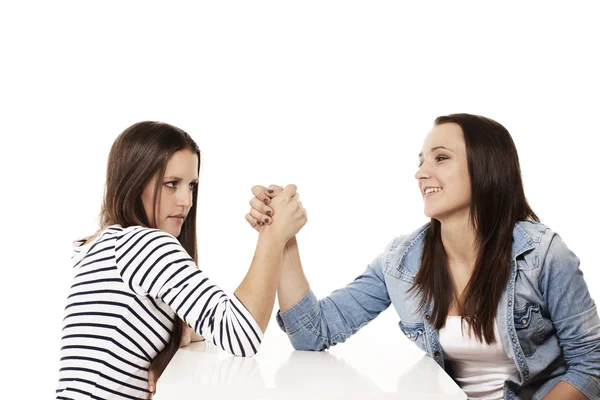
256 203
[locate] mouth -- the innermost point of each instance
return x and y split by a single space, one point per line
430 191
177 218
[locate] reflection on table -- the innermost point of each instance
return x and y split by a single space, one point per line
385 370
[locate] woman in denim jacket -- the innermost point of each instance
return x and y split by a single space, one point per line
492 295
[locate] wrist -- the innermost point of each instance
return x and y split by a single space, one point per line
272 238
291 244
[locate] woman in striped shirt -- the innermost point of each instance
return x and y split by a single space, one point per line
137 277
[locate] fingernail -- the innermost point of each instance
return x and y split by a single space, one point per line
259 223
266 201
270 190
269 213
267 220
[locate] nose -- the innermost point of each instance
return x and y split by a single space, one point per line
184 196
423 172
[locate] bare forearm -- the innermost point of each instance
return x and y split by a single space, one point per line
564 391
293 284
257 290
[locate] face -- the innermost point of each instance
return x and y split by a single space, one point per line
174 198
443 173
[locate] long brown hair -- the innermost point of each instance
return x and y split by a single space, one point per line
497 203
138 154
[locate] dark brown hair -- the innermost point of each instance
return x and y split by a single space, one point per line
497 203
140 153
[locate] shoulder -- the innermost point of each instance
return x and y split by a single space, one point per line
403 242
137 230
403 253
142 236
542 248
532 229
536 235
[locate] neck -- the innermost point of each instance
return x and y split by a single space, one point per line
460 242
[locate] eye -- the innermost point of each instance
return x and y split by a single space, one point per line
193 185
441 158
171 184
420 164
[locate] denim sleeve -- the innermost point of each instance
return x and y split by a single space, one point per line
574 316
313 324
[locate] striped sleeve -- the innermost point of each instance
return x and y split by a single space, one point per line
153 263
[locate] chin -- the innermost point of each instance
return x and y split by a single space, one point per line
429 213
446 214
435 214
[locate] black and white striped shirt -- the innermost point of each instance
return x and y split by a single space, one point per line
128 285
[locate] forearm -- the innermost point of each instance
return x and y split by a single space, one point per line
257 290
293 284
313 324
564 391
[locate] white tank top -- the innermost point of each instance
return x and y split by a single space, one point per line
479 369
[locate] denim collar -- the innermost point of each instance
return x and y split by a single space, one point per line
522 243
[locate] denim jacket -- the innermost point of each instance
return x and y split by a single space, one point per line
547 320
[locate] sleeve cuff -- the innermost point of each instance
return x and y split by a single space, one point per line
299 314
584 384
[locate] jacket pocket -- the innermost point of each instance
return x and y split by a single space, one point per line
532 328
523 315
415 331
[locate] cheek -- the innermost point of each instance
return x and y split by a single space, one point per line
457 184
149 207
465 185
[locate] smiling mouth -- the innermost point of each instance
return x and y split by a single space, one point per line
430 191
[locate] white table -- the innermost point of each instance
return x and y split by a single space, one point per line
370 367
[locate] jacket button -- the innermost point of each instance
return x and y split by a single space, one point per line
427 317
524 321
514 340
510 303
437 354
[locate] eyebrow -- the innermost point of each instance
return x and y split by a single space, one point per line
436 148
176 178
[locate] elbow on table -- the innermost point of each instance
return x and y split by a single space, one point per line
247 351
245 354
312 344
255 350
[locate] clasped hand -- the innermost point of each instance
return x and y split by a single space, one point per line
291 216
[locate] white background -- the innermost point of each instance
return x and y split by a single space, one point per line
335 97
